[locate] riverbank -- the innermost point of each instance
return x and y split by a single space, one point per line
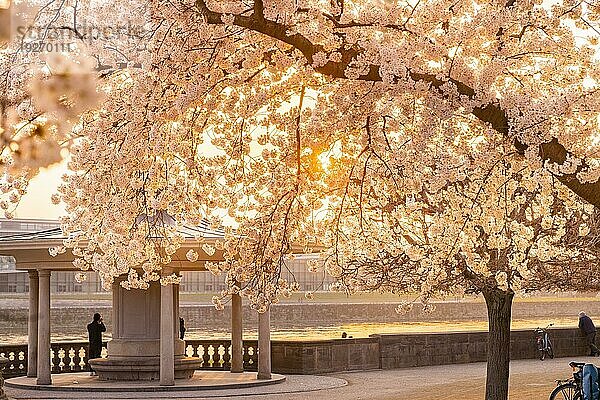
306 320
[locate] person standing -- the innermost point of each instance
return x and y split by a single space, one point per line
181 328
95 329
588 328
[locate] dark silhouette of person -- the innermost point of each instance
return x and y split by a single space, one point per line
181 328
588 328
95 329
344 335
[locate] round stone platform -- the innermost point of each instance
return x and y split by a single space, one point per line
201 380
202 386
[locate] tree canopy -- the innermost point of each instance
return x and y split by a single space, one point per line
259 115
430 147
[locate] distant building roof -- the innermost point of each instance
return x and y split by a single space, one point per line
25 230
9 227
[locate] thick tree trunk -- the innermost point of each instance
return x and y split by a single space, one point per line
499 305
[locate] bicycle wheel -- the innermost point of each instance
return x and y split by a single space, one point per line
566 391
542 354
550 350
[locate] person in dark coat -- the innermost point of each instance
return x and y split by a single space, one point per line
588 328
181 328
95 329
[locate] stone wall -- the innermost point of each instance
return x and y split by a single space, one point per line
322 356
410 350
413 350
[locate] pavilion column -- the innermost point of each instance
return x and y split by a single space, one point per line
237 360
43 340
176 311
32 325
264 345
167 339
116 309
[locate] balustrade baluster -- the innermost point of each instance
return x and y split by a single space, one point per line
211 353
11 357
251 355
61 359
82 364
245 354
71 359
56 360
203 355
220 352
227 356
53 365
22 363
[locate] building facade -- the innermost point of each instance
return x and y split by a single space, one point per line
13 281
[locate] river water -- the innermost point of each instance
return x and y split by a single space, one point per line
18 335
319 320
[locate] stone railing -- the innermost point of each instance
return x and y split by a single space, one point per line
324 356
72 356
416 350
17 360
216 354
410 350
3 362
64 357
335 355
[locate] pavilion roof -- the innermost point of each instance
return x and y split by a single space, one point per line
30 249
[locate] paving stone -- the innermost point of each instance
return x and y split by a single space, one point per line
530 380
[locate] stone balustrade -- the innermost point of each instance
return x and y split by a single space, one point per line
64 357
17 360
3 363
324 356
216 354
72 356
416 350
336 355
410 350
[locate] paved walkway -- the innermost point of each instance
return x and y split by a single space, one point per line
201 381
530 380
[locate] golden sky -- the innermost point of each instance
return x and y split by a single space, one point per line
36 203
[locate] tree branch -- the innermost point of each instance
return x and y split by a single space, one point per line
258 10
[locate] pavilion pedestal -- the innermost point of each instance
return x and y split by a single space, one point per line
141 368
134 352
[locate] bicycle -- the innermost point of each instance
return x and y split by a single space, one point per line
543 342
572 388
